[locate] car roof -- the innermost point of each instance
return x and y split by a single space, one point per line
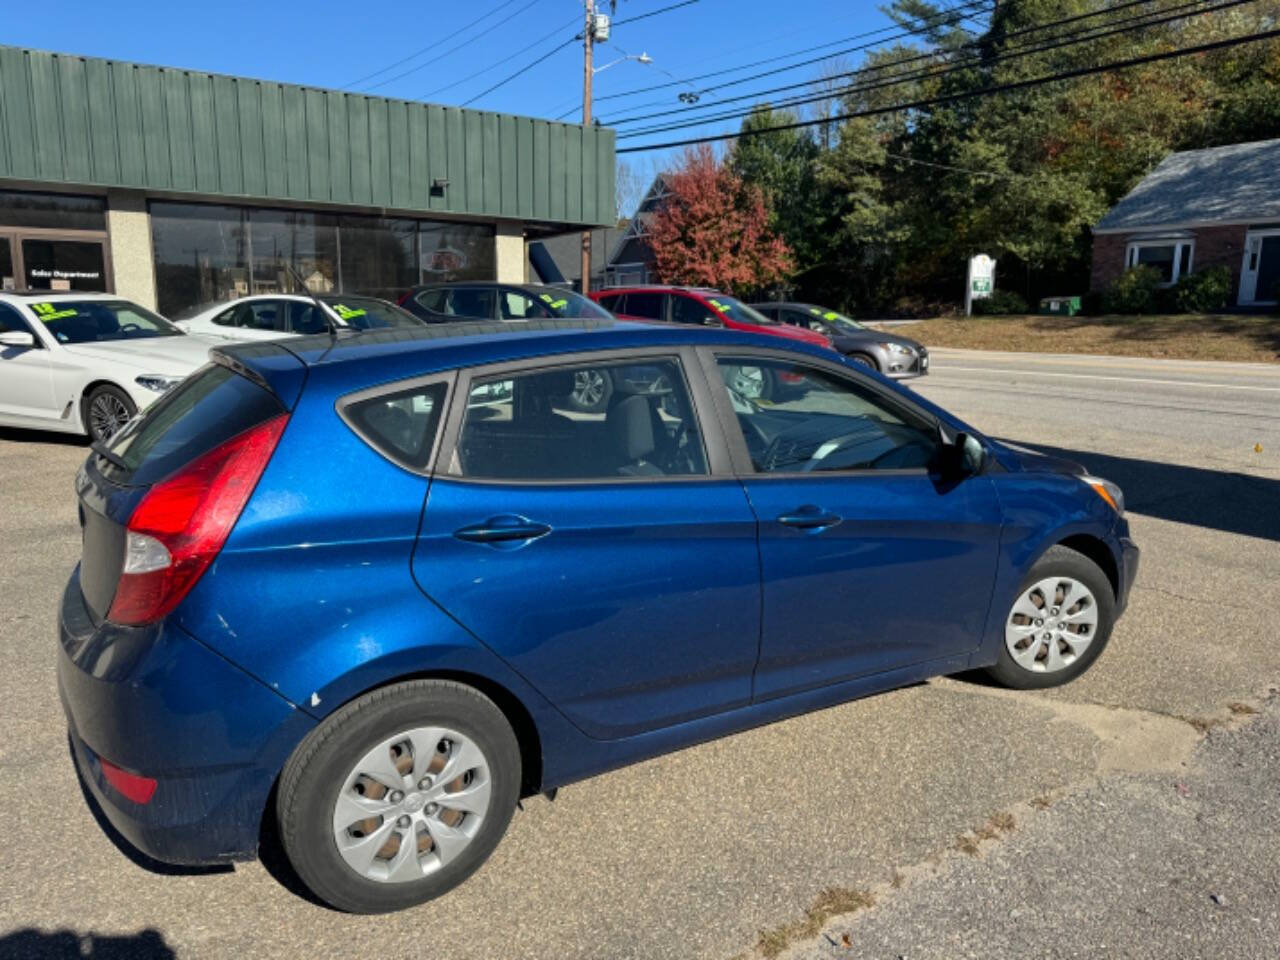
353 361
451 284
661 288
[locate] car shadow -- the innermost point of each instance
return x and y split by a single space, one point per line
134 855
32 944
1217 499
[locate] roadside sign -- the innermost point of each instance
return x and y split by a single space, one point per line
980 280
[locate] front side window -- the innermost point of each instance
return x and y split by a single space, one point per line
306 318
823 423
258 315
95 321
520 306
11 322
689 310
527 426
470 303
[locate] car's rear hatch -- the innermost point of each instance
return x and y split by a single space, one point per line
238 392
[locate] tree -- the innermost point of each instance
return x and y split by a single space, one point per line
629 190
713 229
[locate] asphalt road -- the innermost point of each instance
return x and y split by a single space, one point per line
694 854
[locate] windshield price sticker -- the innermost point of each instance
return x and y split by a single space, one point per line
831 315
49 313
722 307
346 313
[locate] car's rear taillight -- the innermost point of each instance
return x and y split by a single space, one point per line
183 521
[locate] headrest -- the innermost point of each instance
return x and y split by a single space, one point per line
631 428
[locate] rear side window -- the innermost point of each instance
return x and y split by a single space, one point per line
211 406
647 305
401 426
603 421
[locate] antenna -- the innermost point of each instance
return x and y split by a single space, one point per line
328 318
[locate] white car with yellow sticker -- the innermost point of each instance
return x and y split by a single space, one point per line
87 362
274 315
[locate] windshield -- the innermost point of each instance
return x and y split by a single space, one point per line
738 311
837 320
567 304
370 313
96 321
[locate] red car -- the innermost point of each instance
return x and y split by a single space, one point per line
698 305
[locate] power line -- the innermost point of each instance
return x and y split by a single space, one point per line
930 55
465 43
1102 31
494 66
970 94
796 53
654 13
525 69
430 46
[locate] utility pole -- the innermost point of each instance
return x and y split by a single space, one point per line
588 42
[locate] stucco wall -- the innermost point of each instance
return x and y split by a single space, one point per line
132 261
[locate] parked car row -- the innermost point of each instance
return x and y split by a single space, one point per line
87 363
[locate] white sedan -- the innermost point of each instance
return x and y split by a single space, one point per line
272 315
87 362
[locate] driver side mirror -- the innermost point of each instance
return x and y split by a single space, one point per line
964 456
17 338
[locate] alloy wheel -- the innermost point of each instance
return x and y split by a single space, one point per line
411 805
1051 624
588 388
107 414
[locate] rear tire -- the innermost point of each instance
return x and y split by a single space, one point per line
105 410
1044 646
389 732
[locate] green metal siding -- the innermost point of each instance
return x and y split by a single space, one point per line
84 121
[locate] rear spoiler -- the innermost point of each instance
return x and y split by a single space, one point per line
269 365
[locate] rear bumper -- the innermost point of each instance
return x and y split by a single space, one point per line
156 702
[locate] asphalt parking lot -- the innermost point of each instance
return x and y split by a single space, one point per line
857 821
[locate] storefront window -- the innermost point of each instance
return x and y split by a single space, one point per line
207 254
52 210
202 255
7 279
456 251
379 256
285 242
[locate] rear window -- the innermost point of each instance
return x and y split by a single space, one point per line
211 406
369 313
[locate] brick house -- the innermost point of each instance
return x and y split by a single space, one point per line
1198 209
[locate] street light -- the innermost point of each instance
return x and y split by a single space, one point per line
638 58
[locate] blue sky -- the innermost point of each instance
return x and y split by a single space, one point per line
332 44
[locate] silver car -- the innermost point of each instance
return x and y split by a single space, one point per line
894 356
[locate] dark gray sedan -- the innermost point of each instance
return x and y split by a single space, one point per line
894 356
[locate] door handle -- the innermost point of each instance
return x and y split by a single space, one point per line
502 529
810 517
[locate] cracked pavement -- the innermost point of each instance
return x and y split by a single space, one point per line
696 853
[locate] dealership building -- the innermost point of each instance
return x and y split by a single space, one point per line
176 188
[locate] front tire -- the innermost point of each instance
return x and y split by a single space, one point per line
1059 622
862 360
106 409
399 796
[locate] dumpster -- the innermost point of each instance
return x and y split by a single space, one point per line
1060 306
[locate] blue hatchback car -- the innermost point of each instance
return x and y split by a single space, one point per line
376 587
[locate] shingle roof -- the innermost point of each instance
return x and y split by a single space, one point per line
1239 183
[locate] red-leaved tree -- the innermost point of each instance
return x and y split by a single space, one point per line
713 229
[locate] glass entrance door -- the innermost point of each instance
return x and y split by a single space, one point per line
1260 272
52 264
